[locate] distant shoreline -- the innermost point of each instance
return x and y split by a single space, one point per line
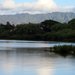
47 30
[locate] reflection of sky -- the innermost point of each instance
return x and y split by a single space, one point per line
23 45
12 63
11 69
24 65
44 71
36 65
7 68
9 44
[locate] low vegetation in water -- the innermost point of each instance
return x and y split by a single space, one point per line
63 50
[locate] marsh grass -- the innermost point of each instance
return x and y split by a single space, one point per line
63 50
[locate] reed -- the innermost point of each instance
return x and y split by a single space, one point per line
63 50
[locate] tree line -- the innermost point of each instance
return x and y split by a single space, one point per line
47 30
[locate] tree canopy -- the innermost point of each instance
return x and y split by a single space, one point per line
47 30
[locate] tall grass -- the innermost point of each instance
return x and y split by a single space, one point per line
64 50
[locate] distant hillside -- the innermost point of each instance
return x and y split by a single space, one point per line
36 18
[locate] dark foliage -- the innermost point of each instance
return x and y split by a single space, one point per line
64 50
48 30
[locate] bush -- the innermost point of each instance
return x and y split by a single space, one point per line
64 50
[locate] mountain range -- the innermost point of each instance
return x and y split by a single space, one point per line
37 18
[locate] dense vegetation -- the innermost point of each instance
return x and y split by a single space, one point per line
48 30
63 50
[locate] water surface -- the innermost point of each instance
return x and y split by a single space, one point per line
29 44
29 58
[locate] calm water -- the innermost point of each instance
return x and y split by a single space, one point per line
28 58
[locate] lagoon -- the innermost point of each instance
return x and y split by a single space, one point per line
28 58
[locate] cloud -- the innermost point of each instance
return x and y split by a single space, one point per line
46 4
37 6
9 4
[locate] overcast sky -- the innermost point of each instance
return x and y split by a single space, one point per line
36 6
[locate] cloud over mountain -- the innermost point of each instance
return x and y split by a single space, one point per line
38 6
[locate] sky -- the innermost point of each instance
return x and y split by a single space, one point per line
36 6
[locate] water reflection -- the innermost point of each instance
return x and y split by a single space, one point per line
7 44
16 63
44 71
26 63
15 60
